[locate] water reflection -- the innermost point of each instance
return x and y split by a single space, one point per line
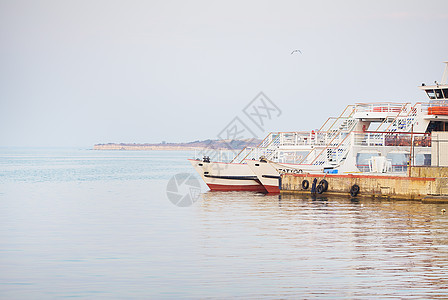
98 225
345 246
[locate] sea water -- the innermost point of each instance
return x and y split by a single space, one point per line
99 224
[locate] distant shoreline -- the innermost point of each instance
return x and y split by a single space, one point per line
196 145
142 147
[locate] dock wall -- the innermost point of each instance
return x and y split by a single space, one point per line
400 187
428 172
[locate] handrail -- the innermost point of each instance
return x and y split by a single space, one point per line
379 103
334 137
385 119
338 118
278 134
334 127
392 132
320 129
328 146
391 138
252 149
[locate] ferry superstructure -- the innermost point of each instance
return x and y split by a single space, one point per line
368 138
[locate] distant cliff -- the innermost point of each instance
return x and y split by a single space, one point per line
215 144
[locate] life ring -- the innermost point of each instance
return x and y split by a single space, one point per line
324 183
354 190
320 188
305 184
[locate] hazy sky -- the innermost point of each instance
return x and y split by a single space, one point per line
76 73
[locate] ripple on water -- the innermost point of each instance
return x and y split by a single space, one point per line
99 225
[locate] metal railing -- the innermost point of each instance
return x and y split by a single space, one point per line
381 139
268 147
332 141
388 107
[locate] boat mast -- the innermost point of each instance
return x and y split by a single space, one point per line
445 74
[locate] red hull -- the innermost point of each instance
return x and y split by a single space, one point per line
251 188
272 189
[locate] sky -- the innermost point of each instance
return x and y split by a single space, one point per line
78 73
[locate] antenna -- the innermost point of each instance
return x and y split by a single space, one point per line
445 74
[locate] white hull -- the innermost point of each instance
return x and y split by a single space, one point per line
266 174
227 176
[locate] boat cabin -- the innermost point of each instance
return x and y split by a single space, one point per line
438 103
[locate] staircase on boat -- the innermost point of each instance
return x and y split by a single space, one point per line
329 146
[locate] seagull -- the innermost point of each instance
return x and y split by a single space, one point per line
297 50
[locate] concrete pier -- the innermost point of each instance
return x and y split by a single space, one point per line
425 183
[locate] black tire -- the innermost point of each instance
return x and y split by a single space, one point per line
320 189
325 184
354 190
305 184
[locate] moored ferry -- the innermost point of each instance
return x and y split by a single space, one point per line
366 138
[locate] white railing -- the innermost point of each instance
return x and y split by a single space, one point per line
336 129
385 107
336 147
331 123
268 147
404 123
331 143
382 139
334 152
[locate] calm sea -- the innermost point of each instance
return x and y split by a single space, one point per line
96 224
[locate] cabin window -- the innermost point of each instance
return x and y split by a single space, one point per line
399 161
362 161
439 94
445 92
422 160
431 94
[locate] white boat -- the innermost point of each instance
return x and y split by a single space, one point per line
220 176
366 138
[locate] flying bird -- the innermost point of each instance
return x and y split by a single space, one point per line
297 50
